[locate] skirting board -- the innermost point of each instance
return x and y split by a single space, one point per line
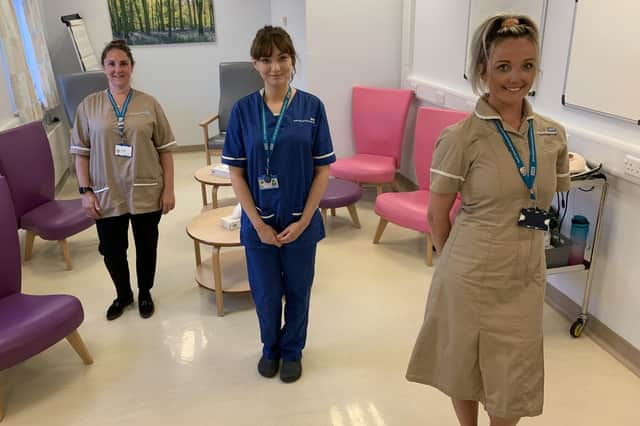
404 183
611 342
189 148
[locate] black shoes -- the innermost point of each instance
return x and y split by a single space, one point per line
268 367
145 305
291 371
117 308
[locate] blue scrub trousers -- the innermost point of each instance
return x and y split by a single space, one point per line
273 273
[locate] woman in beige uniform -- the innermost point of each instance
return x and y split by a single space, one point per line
481 340
122 142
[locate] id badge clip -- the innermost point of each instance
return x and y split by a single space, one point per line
268 182
124 150
534 218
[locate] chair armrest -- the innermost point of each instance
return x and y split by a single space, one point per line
208 121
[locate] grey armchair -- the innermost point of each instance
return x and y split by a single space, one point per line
237 79
75 87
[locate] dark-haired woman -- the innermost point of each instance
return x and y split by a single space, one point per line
279 149
122 143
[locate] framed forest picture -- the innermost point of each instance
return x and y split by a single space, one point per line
162 21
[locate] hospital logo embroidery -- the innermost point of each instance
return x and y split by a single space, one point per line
548 131
310 120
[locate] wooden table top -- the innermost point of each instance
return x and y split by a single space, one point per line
205 175
207 228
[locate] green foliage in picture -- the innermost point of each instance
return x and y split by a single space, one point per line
162 21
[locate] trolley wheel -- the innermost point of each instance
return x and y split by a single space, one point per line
577 328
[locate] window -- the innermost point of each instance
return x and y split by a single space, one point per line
29 51
6 96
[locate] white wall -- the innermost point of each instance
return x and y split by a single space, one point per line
184 78
291 15
349 43
439 65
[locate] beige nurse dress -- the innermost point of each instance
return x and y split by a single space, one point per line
482 333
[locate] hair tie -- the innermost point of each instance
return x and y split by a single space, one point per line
510 22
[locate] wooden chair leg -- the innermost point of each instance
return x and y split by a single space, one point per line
324 217
28 245
381 225
77 344
207 155
333 212
429 243
379 188
1 403
354 215
64 245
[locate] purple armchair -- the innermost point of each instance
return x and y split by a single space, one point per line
26 163
29 324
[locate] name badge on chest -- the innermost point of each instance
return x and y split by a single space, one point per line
534 218
124 150
268 182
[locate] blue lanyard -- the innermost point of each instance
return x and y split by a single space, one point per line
269 146
120 113
530 177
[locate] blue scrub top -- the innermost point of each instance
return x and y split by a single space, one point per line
303 143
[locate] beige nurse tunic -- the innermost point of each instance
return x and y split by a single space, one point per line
482 333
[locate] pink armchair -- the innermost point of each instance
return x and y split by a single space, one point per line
409 209
378 119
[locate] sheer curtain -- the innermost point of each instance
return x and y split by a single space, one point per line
33 16
24 95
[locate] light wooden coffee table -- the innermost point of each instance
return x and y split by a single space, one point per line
206 177
207 229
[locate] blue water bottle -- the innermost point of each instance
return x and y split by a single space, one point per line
579 233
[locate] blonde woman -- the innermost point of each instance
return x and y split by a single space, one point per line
481 340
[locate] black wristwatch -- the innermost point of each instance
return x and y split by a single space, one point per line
85 189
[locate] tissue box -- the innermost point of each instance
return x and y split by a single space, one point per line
230 223
221 170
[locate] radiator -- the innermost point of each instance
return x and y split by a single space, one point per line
58 135
10 124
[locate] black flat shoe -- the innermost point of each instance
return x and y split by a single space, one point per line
268 367
291 371
145 305
117 308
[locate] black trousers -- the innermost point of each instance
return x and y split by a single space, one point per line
113 233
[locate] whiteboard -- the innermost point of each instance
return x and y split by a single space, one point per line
604 59
479 10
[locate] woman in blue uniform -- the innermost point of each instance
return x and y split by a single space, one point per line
279 149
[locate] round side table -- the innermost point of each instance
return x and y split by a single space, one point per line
207 229
205 176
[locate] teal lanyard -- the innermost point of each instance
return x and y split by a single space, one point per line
269 146
120 113
527 177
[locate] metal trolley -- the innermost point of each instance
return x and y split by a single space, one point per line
586 183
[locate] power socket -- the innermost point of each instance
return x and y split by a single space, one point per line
632 166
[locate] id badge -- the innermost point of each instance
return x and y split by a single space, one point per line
534 218
268 182
124 150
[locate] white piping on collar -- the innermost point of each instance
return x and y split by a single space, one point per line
497 117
